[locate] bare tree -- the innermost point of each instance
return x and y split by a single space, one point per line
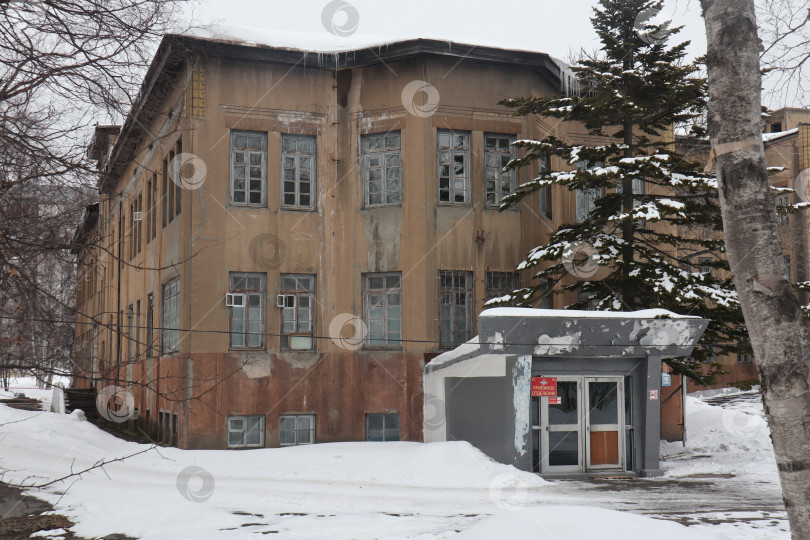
785 56
63 65
772 312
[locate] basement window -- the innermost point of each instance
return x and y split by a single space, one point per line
382 427
246 431
295 429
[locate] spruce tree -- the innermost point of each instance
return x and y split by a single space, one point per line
651 209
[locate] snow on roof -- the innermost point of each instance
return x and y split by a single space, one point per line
325 42
465 348
771 136
578 314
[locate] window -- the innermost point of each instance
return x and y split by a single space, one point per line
165 195
589 299
149 210
501 283
586 198
175 429
172 184
776 127
382 427
139 223
628 423
150 325
247 312
297 303
498 152
153 208
296 429
586 202
137 329
130 334
705 265
170 333
178 185
383 309
787 265
132 241
298 172
782 202
543 168
744 358
455 307
382 169
453 167
245 431
248 168
546 296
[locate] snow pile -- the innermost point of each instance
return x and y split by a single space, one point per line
363 488
578 522
736 437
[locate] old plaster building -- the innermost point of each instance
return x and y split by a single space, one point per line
261 207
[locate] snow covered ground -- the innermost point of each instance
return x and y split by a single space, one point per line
379 490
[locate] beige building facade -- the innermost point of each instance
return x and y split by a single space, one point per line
263 209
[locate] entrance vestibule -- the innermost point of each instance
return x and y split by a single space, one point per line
590 429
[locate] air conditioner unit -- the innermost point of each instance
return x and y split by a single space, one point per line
137 216
235 300
285 301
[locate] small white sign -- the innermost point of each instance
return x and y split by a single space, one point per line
666 379
653 395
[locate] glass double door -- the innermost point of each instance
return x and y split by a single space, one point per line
585 431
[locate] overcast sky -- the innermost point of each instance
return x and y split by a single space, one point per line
557 27
552 26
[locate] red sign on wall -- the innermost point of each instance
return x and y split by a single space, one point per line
544 386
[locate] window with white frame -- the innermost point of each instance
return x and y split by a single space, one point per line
295 429
382 298
170 333
455 307
500 284
453 167
382 169
247 293
744 358
297 303
249 168
246 431
381 427
498 152
298 172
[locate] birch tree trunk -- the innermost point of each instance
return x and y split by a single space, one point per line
772 312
